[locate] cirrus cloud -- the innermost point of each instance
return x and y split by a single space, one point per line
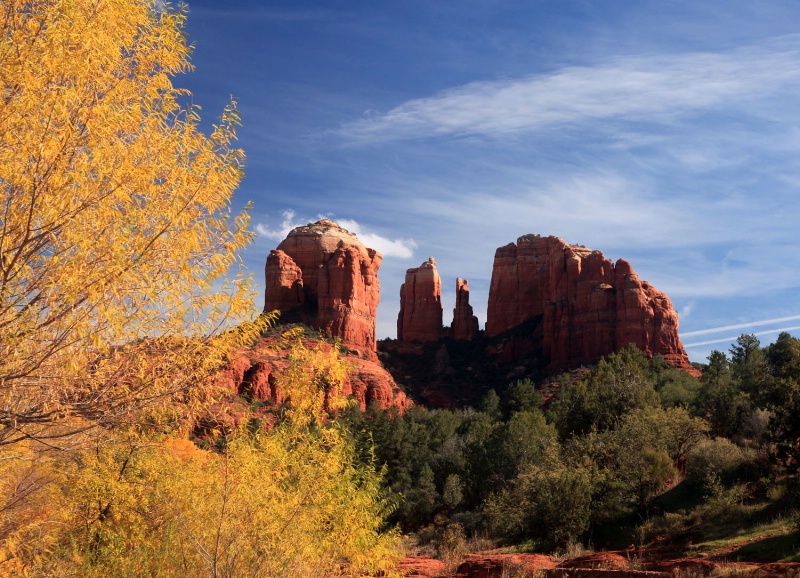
646 87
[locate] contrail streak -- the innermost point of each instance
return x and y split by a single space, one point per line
740 326
734 338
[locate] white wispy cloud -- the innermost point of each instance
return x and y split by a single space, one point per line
584 207
749 324
648 87
742 276
402 248
279 233
733 338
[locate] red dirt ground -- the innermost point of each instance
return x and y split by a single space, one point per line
623 564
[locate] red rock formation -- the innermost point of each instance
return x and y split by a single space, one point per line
369 382
421 567
492 564
420 317
256 372
495 564
328 278
589 307
599 561
465 324
284 282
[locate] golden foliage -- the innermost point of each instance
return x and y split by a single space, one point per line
115 223
115 238
292 501
312 384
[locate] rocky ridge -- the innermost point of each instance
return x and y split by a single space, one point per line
589 306
552 307
255 374
564 303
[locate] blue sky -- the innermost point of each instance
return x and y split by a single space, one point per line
663 132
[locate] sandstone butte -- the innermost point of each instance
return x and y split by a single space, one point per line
584 306
323 276
420 317
589 307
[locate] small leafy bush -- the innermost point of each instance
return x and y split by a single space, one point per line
714 458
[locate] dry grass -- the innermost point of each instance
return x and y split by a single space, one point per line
572 550
512 570
453 546
722 571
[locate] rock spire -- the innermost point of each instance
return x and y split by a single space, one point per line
465 324
420 317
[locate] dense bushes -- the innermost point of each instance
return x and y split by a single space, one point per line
608 443
548 501
306 498
714 458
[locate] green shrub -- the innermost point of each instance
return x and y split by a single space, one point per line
548 502
714 458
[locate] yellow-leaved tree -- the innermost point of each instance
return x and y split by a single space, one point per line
116 236
292 500
116 231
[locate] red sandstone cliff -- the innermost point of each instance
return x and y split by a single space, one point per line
326 277
256 372
284 282
465 324
420 317
589 306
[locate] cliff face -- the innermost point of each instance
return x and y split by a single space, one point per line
465 324
284 282
325 277
589 307
420 317
256 372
